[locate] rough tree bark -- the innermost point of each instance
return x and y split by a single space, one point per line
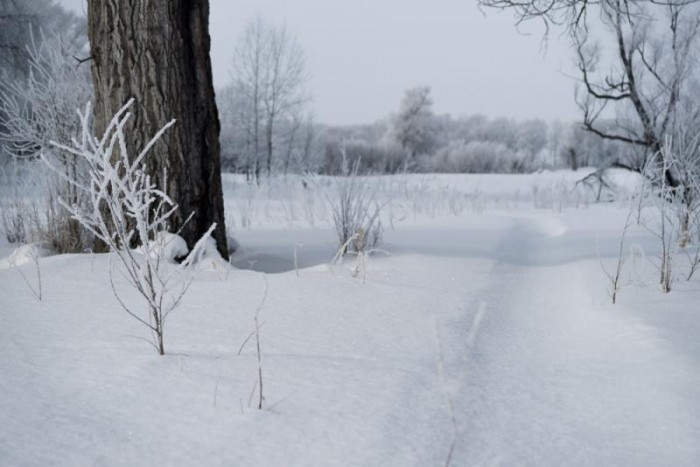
157 51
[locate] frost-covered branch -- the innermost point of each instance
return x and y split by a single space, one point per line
126 209
36 110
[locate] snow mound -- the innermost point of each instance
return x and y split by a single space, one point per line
547 227
172 247
209 249
25 254
168 246
625 180
209 258
551 227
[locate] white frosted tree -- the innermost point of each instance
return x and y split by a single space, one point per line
637 61
18 19
640 63
39 109
413 128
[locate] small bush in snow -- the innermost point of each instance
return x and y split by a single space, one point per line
126 207
672 214
355 211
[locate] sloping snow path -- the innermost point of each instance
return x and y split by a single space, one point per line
548 375
489 355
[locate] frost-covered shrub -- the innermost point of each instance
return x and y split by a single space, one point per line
414 127
355 210
34 112
125 207
167 246
366 157
474 157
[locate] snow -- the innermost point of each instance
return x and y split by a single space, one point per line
489 324
168 246
25 254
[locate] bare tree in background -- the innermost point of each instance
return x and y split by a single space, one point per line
157 52
285 76
651 85
293 135
653 61
247 93
570 14
644 72
268 77
649 76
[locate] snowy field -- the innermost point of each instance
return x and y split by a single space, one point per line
482 334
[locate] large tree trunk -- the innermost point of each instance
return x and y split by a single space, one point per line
157 51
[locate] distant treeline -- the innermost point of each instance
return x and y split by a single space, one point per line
416 140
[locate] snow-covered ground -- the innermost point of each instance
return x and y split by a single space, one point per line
485 336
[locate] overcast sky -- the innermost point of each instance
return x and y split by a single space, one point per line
363 54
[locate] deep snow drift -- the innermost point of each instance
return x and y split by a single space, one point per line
485 337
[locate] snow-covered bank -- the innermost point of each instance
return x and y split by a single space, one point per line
497 319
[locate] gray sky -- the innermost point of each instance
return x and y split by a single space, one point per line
363 54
